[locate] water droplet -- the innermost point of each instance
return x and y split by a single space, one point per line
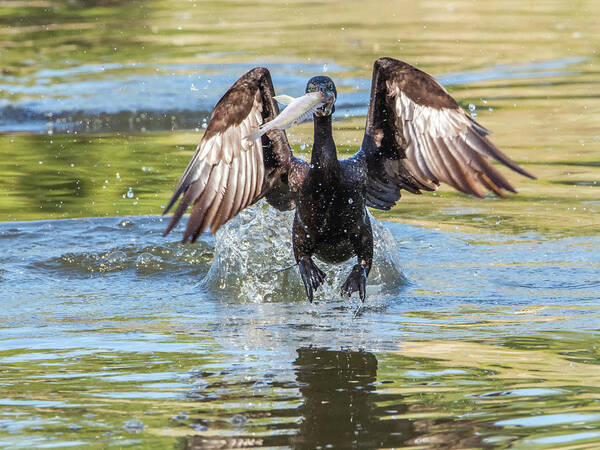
199 426
239 420
325 67
347 113
260 385
350 201
130 193
118 176
41 162
472 107
147 263
134 426
474 115
181 416
115 258
201 385
302 145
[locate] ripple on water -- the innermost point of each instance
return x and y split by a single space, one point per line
530 392
550 419
144 260
203 362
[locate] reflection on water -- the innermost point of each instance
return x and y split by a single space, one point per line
339 404
131 97
337 388
112 339
108 337
140 97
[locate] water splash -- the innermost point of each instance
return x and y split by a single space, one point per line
251 249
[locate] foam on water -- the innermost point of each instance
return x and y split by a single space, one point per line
251 249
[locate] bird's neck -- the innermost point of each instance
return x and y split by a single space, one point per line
324 154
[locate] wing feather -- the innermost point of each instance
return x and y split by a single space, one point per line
254 182
461 160
247 178
228 172
413 121
229 197
211 220
201 205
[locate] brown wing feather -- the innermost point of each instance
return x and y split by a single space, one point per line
228 172
426 138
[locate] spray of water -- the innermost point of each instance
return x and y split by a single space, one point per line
251 249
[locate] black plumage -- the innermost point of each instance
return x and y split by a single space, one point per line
416 136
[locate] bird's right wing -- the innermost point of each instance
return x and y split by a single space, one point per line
229 172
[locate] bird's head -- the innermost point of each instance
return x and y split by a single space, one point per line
326 86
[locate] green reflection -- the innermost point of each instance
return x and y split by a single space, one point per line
437 392
548 124
540 390
64 176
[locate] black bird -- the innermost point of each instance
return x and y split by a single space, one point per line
416 136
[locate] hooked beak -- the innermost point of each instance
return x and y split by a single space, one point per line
327 108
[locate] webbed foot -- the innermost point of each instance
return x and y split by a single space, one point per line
311 275
356 282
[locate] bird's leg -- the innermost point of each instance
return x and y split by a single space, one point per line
312 276
357 280
363 245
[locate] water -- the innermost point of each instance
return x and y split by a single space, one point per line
258 240
112 335
481 324
135 97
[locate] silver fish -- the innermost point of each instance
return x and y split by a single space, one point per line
297 110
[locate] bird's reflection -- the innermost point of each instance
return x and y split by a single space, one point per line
344 404
340 408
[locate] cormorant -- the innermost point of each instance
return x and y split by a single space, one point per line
416 136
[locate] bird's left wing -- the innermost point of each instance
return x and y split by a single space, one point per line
417 136
229 172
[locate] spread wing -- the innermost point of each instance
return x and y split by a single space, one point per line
417 136
228 172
